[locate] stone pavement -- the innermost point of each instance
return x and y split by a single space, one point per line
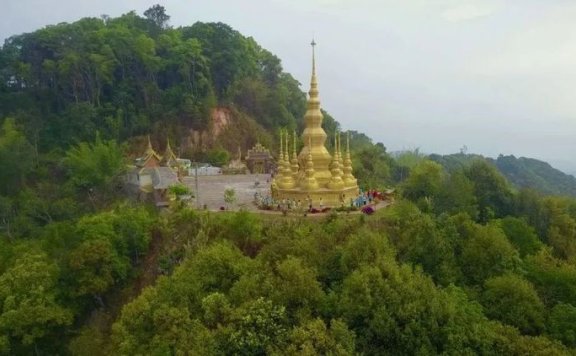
211 189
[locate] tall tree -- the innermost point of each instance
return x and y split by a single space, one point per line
491 189
16 158
95 167
157 14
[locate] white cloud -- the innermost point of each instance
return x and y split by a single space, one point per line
467 11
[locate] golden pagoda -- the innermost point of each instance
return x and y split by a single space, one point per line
314 175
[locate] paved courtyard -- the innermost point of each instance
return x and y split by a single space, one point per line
211 189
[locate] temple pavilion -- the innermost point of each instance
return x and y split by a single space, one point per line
152 174
314 176
259 160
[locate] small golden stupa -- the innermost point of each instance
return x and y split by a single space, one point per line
314 176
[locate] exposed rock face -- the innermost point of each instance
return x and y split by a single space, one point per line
220 119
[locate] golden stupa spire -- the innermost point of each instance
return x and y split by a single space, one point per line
314 173
313 44
309 181
336 181
285 152
294 161
349 180
335 150
314 93
286 180
314 135
281 166
339 151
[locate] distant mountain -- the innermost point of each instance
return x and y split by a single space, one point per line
532 173
521 172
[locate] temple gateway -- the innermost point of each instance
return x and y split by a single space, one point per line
314 176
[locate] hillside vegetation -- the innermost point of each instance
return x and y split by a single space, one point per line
522 172
461 263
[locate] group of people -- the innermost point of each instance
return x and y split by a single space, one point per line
267 202
365 198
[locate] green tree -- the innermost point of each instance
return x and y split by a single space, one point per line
554 279
94 267
95 166
157 14
218 157
405 162
152 324
29 305
296 287
421 240
371 163
562 235
229 197
456 195
562 324
521 235
259 326
245 229
315 338
217 310
514 301
486 253
423 184
492 192
16 158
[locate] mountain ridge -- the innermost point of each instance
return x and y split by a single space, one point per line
521 172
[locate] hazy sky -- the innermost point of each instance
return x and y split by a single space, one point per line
498 76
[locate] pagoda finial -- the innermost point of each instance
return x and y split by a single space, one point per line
336 181
287 180
294 162
348 144
348 178
313 44
281 166
313 80
335 143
